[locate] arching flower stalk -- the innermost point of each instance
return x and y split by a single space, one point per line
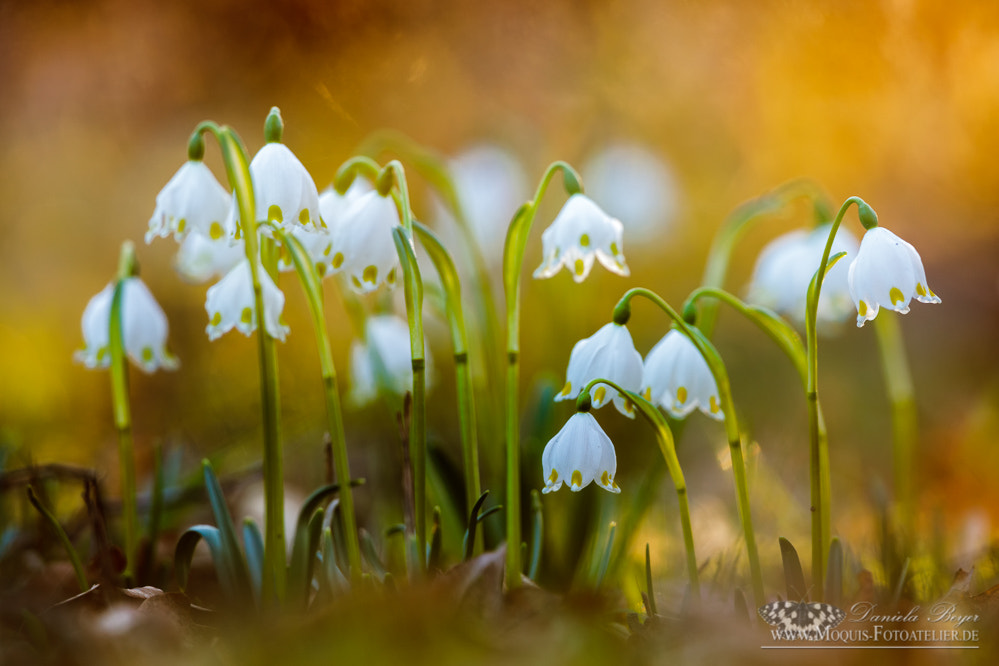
603 234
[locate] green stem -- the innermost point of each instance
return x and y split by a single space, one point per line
667 446
418 425
821 490
513 260
790 343
737 223
122 410
81 576
459 341
436 172
898 380
312 285
237 168
720 374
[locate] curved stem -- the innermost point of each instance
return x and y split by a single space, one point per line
314 295
818 443
720 374
122 410
787 339
238 172
513 260
737 223
667 446
418 432
898 380
459 341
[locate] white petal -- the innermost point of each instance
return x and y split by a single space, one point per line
193 200
230 304
363 246
887 272
95 327
580 234
609 353
578 454
144 327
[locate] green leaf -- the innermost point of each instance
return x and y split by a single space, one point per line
184 552
537 534
304 557
794 578
834 573
336 582
436 538
473 521
226 529
253 544
371 554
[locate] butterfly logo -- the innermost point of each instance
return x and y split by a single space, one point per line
802 620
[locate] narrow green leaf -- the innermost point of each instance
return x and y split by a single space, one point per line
81 577
436 539
537 534
651 595
794 578
335 580
834 573
253 544
184 552
226 529
304 557
605 559
473 521
371 554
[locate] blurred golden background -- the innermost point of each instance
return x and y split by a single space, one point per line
895 101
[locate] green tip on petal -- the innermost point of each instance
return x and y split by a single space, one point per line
273 126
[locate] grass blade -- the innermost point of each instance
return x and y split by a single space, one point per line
794 577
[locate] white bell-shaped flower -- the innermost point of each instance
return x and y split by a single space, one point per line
581 233
786 266
887 272
200 258
363 247
143 325
318 244
580 453
677 377
333 205
383 359
609 353
284 192
229 304
193 200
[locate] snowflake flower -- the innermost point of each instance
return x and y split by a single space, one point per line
677 377
580 234
887 272
608 353
579 454
143 323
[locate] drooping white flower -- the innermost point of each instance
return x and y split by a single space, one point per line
581 233
333 205
887 272
609 353
382 360
580 453
200 258
677 377
786 266
633 183
318 244
229 304
143 325
283 190
193 200
363 247
490 184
